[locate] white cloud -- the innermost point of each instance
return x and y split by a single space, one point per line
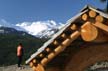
36 27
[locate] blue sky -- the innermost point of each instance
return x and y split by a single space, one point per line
17 11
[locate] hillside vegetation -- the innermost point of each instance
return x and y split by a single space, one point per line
9 43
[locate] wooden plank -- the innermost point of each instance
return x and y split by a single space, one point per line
101 26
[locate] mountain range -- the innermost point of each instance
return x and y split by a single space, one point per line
31 34
8 30
39 28
9 40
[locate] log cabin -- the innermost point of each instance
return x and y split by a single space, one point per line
81 45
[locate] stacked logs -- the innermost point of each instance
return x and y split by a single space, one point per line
60 48
57 45
94 26
91 30
93 15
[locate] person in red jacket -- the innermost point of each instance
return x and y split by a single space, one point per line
20 53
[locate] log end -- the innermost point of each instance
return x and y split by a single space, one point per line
89 32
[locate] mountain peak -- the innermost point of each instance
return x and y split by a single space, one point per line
41 28
9 30
37 28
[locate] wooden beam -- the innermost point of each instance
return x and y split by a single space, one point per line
65 41
89 32
101 26
60 48
50 56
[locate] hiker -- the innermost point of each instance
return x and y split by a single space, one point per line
20 54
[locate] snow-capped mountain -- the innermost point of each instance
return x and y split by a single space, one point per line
47 33
4 23
41 28
38 28
8 30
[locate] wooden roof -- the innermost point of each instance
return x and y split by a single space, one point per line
75 33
